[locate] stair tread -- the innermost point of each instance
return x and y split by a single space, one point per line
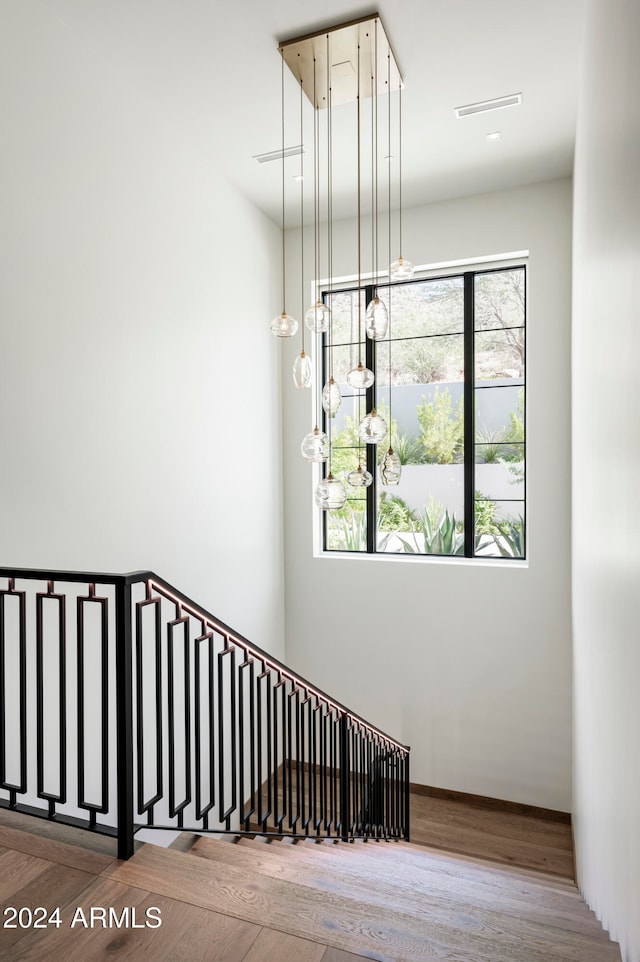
53 849
444 863
337 919
448 855
386 887
556 834
482 844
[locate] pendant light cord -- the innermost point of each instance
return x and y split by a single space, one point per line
330 229
373 182
316 191
302 297
389 238
359 222
400 159
330 203
284 308
374 151
389 153
316 251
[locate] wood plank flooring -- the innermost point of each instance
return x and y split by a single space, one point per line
501 836
474 886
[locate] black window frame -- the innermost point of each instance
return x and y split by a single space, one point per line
469 395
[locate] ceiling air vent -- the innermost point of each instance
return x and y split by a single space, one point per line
484 105
279 154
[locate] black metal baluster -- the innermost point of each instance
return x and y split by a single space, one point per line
280 729
205 639
387 794
52 797
323 768
286 767
124 719
391 777
396 802
333 767
306 762
344 777
141 670
299 749
364 740
372 798
353 782
275 752
21 786
407 800
177 808
362 744
228 652
104 702
313 781
287 800
263 816
366 816
378 790
390 791
246 669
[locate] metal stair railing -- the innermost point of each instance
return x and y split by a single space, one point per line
104 673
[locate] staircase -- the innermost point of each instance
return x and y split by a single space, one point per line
242 899
125 705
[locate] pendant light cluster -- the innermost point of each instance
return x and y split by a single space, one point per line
345 64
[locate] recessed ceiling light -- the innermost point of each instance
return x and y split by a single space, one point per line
279 154
298 177
494 136
484 105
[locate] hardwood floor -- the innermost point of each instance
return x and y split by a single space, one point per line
473 886
511 838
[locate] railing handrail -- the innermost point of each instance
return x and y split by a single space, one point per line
200 613
84 577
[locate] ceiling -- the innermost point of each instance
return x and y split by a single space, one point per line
211 71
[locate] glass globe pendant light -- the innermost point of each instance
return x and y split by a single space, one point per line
302 373
360 377
317 318
360 478
283 325
330 494
376 319
302 370
391 468
401 269
331 398
315 446
373 427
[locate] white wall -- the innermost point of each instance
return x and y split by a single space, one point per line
606 472
470 664
139 383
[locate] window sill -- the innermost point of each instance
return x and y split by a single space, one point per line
521 563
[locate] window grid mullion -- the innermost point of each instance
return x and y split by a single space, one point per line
372 449
469 417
